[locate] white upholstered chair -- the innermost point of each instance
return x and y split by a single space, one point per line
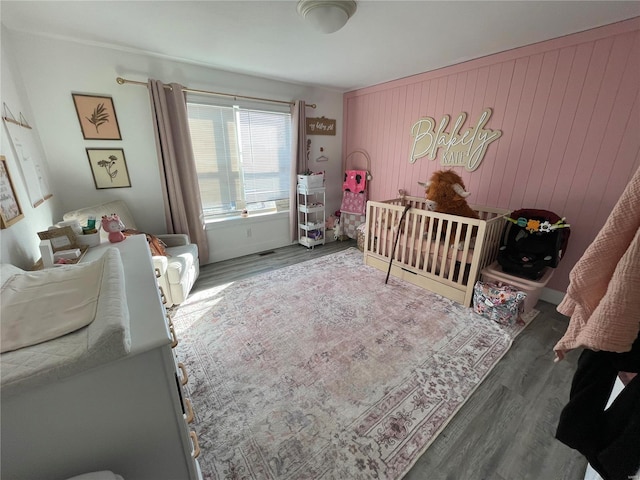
176 273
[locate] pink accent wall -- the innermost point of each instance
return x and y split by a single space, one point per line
569 111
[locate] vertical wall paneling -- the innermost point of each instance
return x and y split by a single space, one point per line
551 117
411 110
569 110
514 181
502 116
580 118
397 105
489 100
526 166
520 106
619 169
600 121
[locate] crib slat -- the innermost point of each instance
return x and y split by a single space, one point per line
454 255
427 254
414 253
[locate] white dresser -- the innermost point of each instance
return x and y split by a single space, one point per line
129 416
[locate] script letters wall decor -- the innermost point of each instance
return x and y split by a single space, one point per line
321 126
466 149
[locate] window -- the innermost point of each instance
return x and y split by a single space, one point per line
243 157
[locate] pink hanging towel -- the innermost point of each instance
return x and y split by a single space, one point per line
355 181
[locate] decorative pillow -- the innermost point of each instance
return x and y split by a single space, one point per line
157 246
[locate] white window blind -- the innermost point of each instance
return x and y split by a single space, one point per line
243 157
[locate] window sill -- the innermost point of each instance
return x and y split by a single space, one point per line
215 223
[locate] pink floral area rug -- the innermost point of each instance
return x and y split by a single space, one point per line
322 371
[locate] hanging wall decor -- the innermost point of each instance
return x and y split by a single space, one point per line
97 117
10 211
30 158
109 167
321 126
459 149
7 116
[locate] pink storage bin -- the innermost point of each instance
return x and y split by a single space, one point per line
533 288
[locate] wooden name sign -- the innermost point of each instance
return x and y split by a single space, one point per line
321 126
466 149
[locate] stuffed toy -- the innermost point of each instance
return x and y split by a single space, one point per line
337 232
445 193
113 225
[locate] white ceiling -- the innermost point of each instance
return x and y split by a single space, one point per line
384 40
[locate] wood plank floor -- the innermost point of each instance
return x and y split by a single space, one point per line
505 431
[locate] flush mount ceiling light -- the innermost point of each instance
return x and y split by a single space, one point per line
326 16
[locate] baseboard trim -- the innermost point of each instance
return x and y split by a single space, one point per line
552 296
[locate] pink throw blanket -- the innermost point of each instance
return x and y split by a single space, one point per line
355 181
602 299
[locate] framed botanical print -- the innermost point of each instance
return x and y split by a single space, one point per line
97 117
10 210
109 167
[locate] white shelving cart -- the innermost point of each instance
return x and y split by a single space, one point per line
311 215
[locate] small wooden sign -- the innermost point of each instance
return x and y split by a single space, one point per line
62 238
321 126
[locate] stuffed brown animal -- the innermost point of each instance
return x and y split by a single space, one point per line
445 193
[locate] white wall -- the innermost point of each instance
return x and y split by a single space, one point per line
19 243
51 69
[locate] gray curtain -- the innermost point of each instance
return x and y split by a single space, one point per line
299 160
178 177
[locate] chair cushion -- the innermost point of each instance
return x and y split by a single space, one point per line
181 259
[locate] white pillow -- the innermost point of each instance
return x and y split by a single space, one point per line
7 271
